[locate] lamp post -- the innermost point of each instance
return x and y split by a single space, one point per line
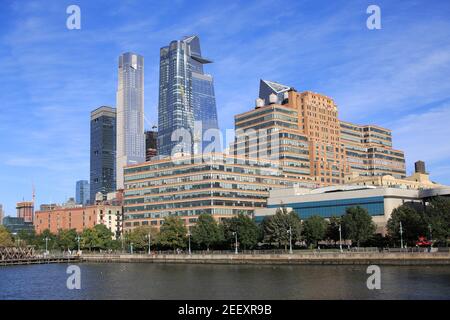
149 236
189 237
236 242
340 238
401 235
290 239
431 235
46 245
78 238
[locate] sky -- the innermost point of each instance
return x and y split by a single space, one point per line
51 77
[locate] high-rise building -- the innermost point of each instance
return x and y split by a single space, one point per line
369 151
103 151
150 144
130 114
17 224
82 192
186 95
25 210
2 214
311 142
215 184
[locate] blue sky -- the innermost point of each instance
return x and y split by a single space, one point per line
52 77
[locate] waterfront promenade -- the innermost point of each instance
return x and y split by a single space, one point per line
255 258
310 258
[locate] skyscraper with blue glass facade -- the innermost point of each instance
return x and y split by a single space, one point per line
82 192
186 95
103 151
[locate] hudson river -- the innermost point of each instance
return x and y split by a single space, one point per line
184 281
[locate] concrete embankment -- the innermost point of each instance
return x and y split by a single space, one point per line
406 258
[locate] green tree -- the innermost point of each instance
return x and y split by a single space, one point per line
96 238
247 230
276 227
67 239
51 242
413 224
314 229
332 232
89 239
206 231
104 236
437 217
27 237
139 237
173 233
357 225
5 237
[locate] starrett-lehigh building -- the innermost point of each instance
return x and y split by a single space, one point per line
313 143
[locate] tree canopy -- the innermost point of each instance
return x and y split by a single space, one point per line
5 237
173 233
314 229
139 237
206 231
357 225
413 224
247 231
437 217
276 227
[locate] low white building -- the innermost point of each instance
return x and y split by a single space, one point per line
333 201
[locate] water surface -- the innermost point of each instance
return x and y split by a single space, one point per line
191 281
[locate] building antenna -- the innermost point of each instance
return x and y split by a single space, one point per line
33 192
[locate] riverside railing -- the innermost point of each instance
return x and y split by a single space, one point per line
275 252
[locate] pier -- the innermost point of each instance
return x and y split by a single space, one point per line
27 255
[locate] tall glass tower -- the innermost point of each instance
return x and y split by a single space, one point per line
103 151
130 113
186 94
82 193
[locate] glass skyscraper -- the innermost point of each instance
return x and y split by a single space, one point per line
82 192
103 151
130 113
186 94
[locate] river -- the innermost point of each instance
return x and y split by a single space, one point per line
191 281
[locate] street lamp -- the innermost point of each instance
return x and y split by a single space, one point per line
46 244
290 239
340 238
78 238
401 235
149 236
189 236
236 242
